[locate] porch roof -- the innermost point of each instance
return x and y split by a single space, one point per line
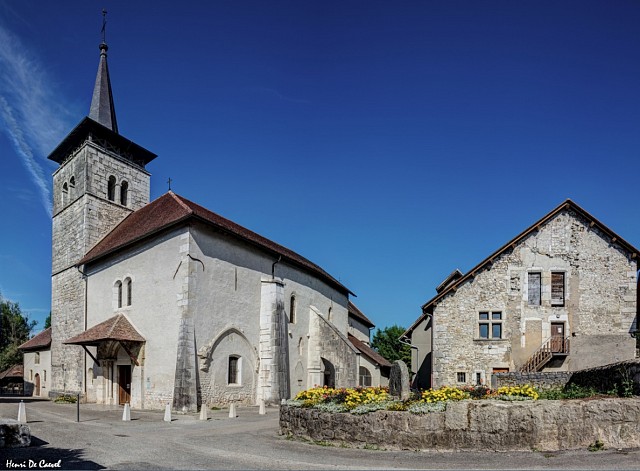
117 328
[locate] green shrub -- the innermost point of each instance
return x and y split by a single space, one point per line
66 399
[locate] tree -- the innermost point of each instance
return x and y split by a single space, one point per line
385 342
15 329
47 321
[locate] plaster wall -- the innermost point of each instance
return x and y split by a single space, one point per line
359 330
159 293
41 368
226 298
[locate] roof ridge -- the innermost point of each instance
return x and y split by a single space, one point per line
180 201
565 205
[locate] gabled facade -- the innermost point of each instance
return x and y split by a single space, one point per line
36 363
562 295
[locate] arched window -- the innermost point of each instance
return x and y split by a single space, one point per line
72 182
37 359
233 376
129 284
292 310
65 193
329 314
365 377
118 293
124 190
111 188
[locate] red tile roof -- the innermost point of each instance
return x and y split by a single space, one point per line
115 328
358 314
42 341
15 371
368 351
170 210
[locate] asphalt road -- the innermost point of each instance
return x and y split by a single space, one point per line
101 440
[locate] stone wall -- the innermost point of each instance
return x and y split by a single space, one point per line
618 376
598 312
540 380
478 425
606 379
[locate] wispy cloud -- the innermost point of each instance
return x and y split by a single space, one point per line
29 110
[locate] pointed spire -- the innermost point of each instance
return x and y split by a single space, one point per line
102 109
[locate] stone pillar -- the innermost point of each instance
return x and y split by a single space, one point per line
273 379
185 391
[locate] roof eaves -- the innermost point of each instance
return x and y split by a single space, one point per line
131 242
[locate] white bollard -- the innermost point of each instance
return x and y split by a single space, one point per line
262 408
232 411
203 412
126 413
22 413
167 413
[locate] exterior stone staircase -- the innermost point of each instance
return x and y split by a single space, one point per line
555 346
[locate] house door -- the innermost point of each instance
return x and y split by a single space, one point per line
37 380
124 384
557 337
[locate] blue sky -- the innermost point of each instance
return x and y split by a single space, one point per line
388 142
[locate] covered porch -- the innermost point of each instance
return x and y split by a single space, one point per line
114 367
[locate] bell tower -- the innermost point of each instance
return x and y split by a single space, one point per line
101 180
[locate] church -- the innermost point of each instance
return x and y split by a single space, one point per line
167 302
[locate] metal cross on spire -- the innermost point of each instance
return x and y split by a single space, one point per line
169 182
104 26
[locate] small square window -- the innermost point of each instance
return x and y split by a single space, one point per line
484 316
462 377
496 315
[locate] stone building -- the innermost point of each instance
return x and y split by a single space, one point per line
167 302
36 363
560 296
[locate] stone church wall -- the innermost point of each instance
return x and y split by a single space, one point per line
598 313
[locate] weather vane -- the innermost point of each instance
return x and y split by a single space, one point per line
104 26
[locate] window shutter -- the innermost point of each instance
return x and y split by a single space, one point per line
557 289
534 289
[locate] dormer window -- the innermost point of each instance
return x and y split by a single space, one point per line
111 188
124 190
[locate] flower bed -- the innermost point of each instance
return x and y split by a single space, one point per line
365 400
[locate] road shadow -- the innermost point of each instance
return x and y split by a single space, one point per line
40 456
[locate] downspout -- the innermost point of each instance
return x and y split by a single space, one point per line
273 267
